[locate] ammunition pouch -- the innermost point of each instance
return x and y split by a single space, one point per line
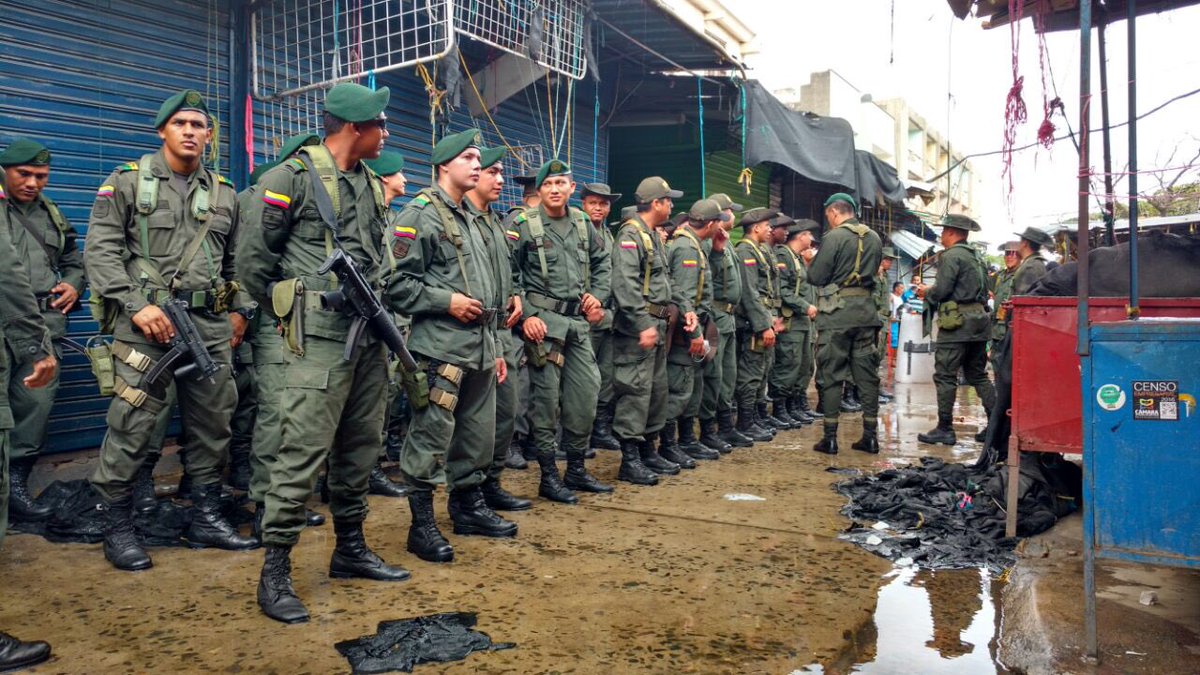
100 356
948 316
104 311
541 353
829 299
659 311
437 395
287 303
223 295
416 386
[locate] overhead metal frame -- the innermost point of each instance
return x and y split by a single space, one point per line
549 32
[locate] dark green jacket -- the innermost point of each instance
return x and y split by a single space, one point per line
51 256
690 276
636 243
834 267
1002 291
21 324
756 311
726 272
1028 273
962 278
794 288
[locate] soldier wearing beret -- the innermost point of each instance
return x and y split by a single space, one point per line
598 199
499 245
46 242
793 364
758 323
843 273
522 450
565 272
163 228
717 430
334 402
1032 266
959 295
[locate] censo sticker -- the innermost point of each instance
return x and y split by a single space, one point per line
1110 397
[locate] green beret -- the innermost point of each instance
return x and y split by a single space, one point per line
24 152
842 197
188 99
489 156
960 222
554 167
757 215
355 103
454 145
600 190
261 169
388 163
291 145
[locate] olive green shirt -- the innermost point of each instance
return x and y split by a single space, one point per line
636 244
759 285
1028 273
21 323
834 266
51 256
606 236
726 271
794 290
690 276
961 278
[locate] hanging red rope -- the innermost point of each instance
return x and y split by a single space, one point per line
1046 130
1015 112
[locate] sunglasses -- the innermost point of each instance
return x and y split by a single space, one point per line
381 123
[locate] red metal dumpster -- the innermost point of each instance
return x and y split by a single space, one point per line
1046 411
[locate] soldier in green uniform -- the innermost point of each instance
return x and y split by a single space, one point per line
1002 291
565 273
334 400
1032 267
758 325
28 344
883 291
598 199
163 228
641 298
688 350
959 295
46 242
843 273
793 347
777 414
479 205
717 430
522 450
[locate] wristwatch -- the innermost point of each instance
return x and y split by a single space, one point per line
248 313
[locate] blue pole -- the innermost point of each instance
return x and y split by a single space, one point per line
1089 532
1133 310
700 102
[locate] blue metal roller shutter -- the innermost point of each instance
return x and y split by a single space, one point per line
86 79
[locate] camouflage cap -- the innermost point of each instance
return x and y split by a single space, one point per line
25 152
388 163
356 103
188 99
454 145
725 202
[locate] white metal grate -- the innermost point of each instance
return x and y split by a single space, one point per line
551 32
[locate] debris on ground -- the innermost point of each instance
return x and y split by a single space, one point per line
947 516
400 645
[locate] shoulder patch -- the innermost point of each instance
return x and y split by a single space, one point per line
405 232
277 200
296 165
512 235
626 244
2 193
105 191
750 262
781 266
520 218
420 201
127 166
689 263
223 179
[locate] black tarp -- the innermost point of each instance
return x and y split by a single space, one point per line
877 181
820 149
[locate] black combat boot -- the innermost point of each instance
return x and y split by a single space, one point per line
943 433
655 461
392 446
276 596
471 515
499 499
669 450
514 459
379 484
209 528
747 427
850 402
779 411
144 498
763 418
21 504
803 404
551 486
690 445
711 438
796 413
424 539
731 434
353 559
239 468
121 547
313 519
602 430
528 449
15 654
632 470
577 476
818 411
869 441
828 443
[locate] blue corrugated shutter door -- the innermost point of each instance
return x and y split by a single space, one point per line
86 79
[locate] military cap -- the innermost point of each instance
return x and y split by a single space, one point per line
356 103
524 180
1009 247
188 99
600 190
555 167
889 252
291 145
389 162
960 222
677 220
628 212
803 225
653 188
757 215
842 197
454 145
489 156
261 169
24 152
725 202
705 210
782 220
1036 236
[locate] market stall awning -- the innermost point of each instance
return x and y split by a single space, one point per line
820 149
878 182
911 245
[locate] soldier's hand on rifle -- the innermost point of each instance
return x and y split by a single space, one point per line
515 311
648 338
812 311
465 309
154 324
67 297
691 322
534 329
696 347
501 370
43 372
768 337
239 329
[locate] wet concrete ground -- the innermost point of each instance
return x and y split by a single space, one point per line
671 579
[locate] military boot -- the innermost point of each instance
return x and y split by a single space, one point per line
828 443
15 654
121 547
711 439
669 450
779 411
602 430
424 539
731 434
818 411
763 418
471 515
21 504
551 486
528 449
514 459
796 412
209 528
869 442
276 596
353 559
144 498
655 461
690 445
806 408
577 476
943 433
748 428
379 484
499 499
850 402
632 470
239 468
392 446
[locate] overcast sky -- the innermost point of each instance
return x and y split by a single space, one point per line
956 75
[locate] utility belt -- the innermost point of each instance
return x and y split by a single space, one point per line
538 354
44 301
855 292
726 307
488 317
568 308
972 307
832 297
212 300
658 311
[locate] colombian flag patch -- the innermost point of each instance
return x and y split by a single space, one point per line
512 234
689 263
628 244
105 191
277 200
750 262
405 232
2 193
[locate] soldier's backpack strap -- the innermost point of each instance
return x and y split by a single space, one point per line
59 220
583 232
796 267
764 264
537 230
648 248
701 259
451 229
856 276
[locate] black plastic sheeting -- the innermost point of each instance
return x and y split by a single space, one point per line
820 149
878 182
77 520
400 645
949 516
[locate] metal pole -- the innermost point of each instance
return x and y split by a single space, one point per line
1110 237
1133 310
1085 85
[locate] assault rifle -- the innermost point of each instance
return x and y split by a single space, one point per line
187 344
356 299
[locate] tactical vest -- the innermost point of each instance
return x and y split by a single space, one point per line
856 276
537 230
449 227
980 269
765 264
